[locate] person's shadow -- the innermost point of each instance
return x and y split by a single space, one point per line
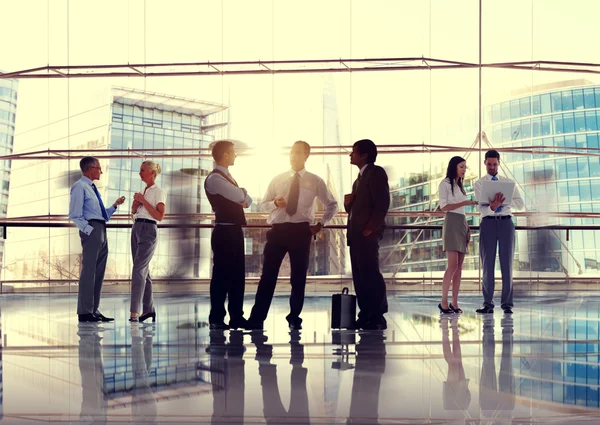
273 410
456 392
368 370
91 367
227 376
143 401
497 392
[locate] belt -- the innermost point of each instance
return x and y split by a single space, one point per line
301 224
144 220
96 220
497 217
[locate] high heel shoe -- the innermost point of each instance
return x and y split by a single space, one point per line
456 310
143 317
444 310
134 319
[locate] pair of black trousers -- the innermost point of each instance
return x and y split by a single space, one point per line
286 238
368 281
229 273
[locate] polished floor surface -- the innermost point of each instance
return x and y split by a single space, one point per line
539 365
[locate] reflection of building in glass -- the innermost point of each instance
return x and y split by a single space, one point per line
131 120
565 117
420 250
8 110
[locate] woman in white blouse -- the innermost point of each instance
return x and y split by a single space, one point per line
455 232
148 208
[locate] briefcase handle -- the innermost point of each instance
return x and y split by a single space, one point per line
345 291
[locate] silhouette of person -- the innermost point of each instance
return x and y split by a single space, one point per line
91 367
273 409
497 392
456 392
227 376
369 368
143 401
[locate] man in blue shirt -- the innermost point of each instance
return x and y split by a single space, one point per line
87 211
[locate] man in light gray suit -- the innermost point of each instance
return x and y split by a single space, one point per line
87 211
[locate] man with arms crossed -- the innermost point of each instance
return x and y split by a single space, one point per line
290 201
87 211
228 201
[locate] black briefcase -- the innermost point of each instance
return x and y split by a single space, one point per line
343 310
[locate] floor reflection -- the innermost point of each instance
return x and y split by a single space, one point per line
540 365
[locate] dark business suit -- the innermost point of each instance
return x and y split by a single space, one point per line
367 211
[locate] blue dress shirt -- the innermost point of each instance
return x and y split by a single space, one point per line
84 205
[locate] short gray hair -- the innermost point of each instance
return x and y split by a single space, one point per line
87 162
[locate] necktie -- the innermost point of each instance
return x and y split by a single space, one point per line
494 178
292 203
101 203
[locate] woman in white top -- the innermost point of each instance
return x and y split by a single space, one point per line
148 208
455 232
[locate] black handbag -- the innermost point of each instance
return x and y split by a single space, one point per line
343 310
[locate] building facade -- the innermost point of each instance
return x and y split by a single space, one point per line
8 115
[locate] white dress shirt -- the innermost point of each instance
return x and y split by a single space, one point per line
311 187
216 184
447 197
517 201
154 195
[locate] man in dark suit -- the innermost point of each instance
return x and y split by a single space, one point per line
367 206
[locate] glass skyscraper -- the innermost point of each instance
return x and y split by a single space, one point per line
8 114
560 120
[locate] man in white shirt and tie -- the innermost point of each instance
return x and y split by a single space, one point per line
496 230
290 201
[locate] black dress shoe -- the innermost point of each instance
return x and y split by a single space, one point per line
484 310
375 326
508 311
89 317
238 323
254 326
218 326
102 318
295 326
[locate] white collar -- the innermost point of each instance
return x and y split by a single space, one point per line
302 172
362 170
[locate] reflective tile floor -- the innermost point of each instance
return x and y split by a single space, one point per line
540 365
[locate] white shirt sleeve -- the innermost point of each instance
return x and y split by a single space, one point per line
325 196
443 193
216 184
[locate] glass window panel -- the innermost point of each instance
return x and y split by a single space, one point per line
594 166
585 193
582 167
598 119
567 100
578 99
572 168
546 106
525 107
496 113
588 98
597 93
559 141
536 108
556 102
592 140
579 121
595 187
546 126
526 128
590 121
561 169
570 141
563 192
568 123
516 130
497 134
537 124
506 132
557 124
515 110
505 110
